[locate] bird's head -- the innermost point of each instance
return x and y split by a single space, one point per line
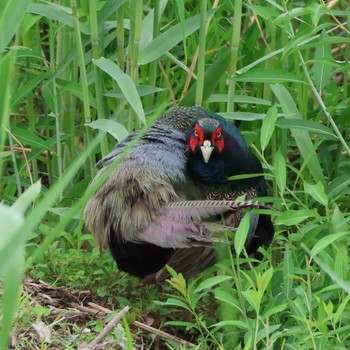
205 137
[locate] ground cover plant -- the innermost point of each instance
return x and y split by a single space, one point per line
77 77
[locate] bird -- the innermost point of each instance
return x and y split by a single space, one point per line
161 204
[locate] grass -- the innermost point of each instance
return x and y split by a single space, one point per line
77 76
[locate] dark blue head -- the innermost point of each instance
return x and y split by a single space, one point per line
217 150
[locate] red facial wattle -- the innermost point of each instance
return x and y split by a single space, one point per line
217 139
197 137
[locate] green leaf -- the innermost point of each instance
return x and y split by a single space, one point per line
280 170
28 138
268 126
227 297
307 125
317 11
142 90
242 233
326 241
125 83
266 12
63 212
344 284
254 298
212 281
274 310
11 16
239 324
338 185
114 128
27 198
322 71
27 88
317 192
339 222
11 220
174 302
341 261
260 75
294 217
288 271
249 116
166 41
302 137
11 270
57 13
5 81
239 99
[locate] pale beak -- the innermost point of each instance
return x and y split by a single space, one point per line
206 150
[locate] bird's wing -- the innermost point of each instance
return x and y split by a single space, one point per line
183 224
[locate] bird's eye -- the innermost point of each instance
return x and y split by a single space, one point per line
218 135
195 133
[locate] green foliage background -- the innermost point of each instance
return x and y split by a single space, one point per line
76 76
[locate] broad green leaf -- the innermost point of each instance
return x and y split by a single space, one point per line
338 185
239 99
249 116
254 298
11 16
326 241
304 37
174 302
266 12
239 324
227 297
110 6
242 233
125 83
57 13
294 217
27 88
28 138
212 281
280 170
322 71
11 220
62 212
211 78
274 310
264 280
11 270
5 74
302 137
268 126
344 284
317 11
166 41
142 90
341 261
317 192
288 271
181 11
308 125
339 222
260 75
114 128
27 198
